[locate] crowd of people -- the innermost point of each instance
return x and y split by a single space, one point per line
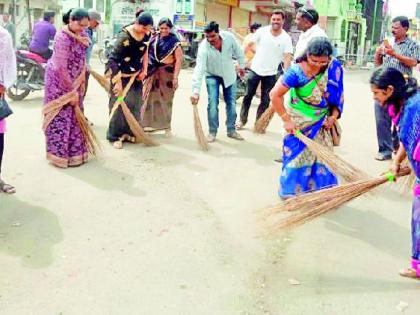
143 71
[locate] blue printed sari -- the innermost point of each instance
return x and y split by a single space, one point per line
311 99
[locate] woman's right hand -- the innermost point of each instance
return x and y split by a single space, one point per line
290 127
117 89
395 168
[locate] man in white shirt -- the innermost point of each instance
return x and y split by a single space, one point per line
272 46
306 21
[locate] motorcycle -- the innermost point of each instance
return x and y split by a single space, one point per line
106 49
30 75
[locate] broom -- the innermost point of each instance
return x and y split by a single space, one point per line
102 80
198 129
336 164
264 120
313 205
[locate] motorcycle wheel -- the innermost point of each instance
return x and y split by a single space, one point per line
102 56
16 94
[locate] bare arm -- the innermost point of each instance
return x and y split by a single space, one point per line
409 62
177 67
277 100
287 61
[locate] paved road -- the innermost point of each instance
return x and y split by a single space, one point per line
172 230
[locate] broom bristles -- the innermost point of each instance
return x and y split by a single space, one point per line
198 130
136 128
336 164
264 120
315 204
102 80
92 143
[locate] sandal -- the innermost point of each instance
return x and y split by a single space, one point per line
409 273
117 144
6 188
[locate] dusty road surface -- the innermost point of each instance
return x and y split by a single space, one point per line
174 231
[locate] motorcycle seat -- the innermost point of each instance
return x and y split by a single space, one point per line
33 56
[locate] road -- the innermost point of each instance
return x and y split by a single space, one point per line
173 230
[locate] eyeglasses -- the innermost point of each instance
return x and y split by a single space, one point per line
304 11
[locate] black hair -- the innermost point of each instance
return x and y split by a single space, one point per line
279 12
145 19
212 27
254 26
311 15
66 17
166 21
317 46
403 21
384 77
138 12
48 15
79 14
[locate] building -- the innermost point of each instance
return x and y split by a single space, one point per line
345 25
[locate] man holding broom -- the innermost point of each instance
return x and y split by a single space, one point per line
214 60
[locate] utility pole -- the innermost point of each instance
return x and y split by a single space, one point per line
14 21
375 11
28 11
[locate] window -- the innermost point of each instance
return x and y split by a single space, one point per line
1 8
100 6
18 10
88 4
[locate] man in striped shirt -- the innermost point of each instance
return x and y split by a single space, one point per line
403 55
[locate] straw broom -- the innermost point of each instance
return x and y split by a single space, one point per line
102 80
198 129
313 205
335 164
264 120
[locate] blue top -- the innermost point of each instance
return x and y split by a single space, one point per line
89 32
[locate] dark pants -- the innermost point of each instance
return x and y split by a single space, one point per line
387 135
213 84
1 148
46 54
267 83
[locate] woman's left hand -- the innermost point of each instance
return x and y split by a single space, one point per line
141 76
329 122
175 83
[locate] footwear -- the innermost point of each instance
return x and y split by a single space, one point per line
235 135
381 157
6 188
409 273
240 126
211 138
118 144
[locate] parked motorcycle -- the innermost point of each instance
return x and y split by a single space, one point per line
30 75
106 49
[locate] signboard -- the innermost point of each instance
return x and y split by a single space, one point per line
184 20
232 3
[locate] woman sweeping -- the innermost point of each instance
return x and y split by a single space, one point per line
128 67
310 112
69 138
165 59
403 101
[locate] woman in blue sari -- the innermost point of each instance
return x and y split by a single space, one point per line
165 59
316 100
403 102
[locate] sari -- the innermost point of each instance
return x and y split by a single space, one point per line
159 92
64 126
124 64
311 100
408 124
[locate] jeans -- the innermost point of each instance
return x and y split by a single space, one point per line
387 135
267 83
213 84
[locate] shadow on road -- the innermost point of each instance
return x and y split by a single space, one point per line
28 231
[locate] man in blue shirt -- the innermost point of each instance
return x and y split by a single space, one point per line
215 62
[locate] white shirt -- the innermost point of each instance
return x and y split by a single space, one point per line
270 51
305 38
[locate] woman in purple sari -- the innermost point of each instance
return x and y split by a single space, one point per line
68 139
402 98
165 59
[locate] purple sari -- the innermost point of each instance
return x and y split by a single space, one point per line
66 145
